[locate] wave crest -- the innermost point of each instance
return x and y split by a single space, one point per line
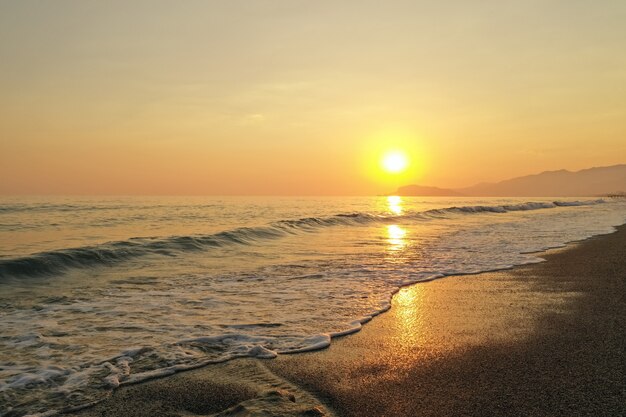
57 261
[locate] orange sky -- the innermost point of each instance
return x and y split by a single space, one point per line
297 97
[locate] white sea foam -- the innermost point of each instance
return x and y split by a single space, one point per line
68 338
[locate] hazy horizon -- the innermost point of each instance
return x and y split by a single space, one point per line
299 98
608 180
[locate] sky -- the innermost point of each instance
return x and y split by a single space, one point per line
294 97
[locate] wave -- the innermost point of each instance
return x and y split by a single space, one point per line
107 254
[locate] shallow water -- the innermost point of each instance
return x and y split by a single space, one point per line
100 292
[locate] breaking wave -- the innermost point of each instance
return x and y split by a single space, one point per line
57 261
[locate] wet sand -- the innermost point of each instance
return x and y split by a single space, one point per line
546 339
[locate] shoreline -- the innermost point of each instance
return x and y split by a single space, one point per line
542 339
363 371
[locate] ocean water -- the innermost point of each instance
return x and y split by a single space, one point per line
100 292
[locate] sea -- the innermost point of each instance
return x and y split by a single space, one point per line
100 292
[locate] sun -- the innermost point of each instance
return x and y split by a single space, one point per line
395 162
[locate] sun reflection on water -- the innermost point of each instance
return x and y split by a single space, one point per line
396 237
395 204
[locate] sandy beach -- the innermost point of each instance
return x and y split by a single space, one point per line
539 340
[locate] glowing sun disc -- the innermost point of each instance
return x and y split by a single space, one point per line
395 162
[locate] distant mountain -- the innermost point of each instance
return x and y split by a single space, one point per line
563 183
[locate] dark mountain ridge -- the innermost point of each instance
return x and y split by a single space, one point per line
595 181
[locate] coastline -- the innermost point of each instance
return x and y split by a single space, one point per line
539 339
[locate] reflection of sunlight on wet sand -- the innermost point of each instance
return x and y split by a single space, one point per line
426 314
434 318
395 204
396 237
409 302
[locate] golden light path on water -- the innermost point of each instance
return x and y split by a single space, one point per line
395 204
409 301
395 234
396 237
